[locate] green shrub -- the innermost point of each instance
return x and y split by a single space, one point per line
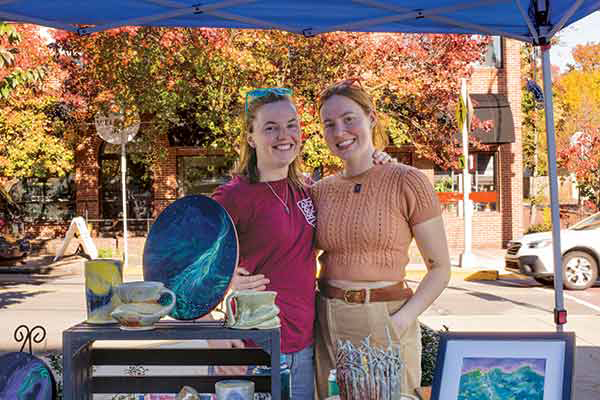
55 363
545 227
445 184
430 341
105 253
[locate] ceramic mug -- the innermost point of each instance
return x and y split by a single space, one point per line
141 308
234 390
249 309
142 292
101 278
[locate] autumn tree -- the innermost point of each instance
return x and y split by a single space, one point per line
33 138
413 78
578 97
176 79
587 56
195 80
18 68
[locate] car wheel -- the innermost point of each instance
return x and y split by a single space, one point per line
544 280
580 270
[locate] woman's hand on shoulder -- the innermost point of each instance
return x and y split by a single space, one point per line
243 280
381 157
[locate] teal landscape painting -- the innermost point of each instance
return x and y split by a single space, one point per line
502 379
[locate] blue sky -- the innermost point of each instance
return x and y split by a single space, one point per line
583 31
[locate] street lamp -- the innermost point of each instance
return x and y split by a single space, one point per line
113 128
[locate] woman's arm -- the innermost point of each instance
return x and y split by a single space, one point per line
430 237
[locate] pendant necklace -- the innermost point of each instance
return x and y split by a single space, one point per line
284 203
357 187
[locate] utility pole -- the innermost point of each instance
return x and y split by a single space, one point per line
467 258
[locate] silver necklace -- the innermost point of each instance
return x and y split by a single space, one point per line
287 209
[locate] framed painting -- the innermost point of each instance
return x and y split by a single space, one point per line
508 366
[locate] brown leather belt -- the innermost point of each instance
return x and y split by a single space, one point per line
394 292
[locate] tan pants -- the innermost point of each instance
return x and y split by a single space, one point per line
338 320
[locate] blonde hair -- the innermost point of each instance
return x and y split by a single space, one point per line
356 93
247 165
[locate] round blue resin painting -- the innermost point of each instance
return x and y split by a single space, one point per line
25 377
193 249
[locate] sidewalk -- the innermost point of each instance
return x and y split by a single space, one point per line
490 262
490 266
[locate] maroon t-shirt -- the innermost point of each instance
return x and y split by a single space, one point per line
280 246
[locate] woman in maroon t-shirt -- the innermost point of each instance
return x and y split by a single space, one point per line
275 220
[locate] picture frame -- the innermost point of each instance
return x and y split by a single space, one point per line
519 365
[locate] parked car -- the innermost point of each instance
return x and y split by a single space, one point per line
580 248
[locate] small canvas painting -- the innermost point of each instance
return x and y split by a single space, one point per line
502 378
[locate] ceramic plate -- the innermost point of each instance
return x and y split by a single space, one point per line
23 376
193 249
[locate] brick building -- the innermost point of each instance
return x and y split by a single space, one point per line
496 228
497 174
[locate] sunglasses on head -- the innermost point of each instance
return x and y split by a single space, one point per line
344 83
257 93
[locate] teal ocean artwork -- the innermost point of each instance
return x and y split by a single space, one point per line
502 379
193 249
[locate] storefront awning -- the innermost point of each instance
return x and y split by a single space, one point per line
494 107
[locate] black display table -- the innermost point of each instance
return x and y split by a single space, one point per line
79 357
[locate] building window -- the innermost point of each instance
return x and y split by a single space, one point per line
45 200
484 178
201 174
493 53
484 187
139 184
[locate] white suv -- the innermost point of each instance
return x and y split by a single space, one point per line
580 248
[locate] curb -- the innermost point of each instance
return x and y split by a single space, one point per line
417 272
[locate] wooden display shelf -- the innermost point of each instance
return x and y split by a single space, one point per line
79 358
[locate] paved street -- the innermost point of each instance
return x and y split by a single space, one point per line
502 305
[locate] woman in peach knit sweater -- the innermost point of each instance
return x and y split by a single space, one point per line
367 217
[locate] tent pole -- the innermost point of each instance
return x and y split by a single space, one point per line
124 195
553 180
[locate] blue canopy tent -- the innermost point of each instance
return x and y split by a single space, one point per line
533 21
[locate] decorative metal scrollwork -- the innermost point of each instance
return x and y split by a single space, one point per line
25 335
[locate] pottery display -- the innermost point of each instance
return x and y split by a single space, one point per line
234 390
24 376
193 249
101 277
142 304
142 292
248 309
188 393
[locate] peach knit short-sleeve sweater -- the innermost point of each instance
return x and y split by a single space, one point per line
365 231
